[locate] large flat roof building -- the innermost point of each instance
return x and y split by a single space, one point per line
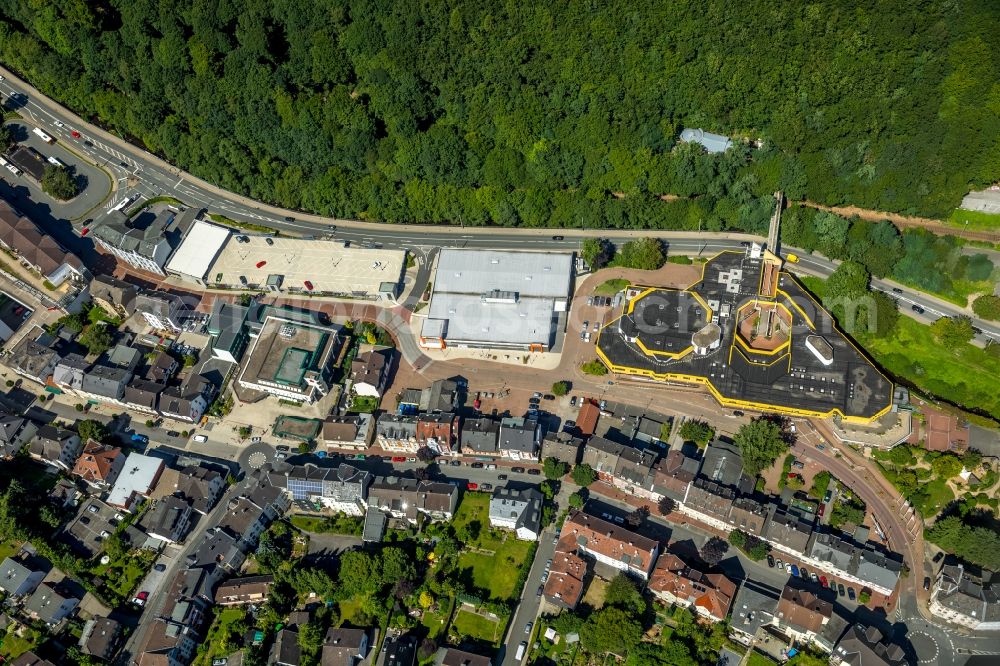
290 360
198 250
494 299
752 336
299 265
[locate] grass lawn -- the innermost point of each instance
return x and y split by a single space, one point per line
938 496
339 524
216 641
758 659
477 626
974 219
352 612
611 287
435 622
122 575
14 645
594 596
496 572
965 376
9 548
363 404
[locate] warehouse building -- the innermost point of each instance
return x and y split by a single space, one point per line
299 265
498 300
197 252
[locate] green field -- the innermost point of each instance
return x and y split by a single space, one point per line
611 287
965 376
758 659
974 219
476 626
121 575
218 642
496 572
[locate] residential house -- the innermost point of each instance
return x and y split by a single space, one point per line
967 596
609 543
517 510
55 446
708 595
230 330
562 446
864 646
286 651
138 478
105 383
409 498
399 651
438 432
354 432
602 455
802 615
169 520
15 432
709 503
201 486
754 607
113 296
788 531
51 603
344 647
851 562
168 643
64 494
749 516
161 368
396 433
143 396
343 488
100 464
141 244
100 638
456 657
243 591
633 472
123 356
480 436
564 587
36 249
29 658
370 372
19 576
249 515
69 373
219 555
443 395
374 528
722 463
519 438
182 404
33 356
161 310
673 475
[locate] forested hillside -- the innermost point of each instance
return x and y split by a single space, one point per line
537 112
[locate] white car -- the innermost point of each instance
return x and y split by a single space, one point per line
201 439
58 123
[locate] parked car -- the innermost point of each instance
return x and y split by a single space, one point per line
282 447
545 576
590 300
399 459
411 459
173 433
850 594
280 456
491 466
804 573
255 440
539 592
823 581
813 577
160 567
472 486
927 583
619 520
794 570
517 470
140 439
455 463
822 510
501 477
534 472
770 561
586 324
536 394
548 565
828 496
780 564
840 589
738 412
548 396
477 465
572 401
201 439
486 486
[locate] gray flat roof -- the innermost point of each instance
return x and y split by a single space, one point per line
539 274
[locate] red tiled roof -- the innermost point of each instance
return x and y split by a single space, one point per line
712 592
586 420
583 531
565 584
96 461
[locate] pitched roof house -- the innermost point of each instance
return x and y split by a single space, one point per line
201 486
409 498
709 595
609 543
100 464
240 591
370 372
111 295
19 576
517 510
100 638
864 646
143 395
348 432
396 433
51 603
519 438
967 596
438 432
15 432
343 488
33 356
344 647
801 613
479 436
564 588
55 446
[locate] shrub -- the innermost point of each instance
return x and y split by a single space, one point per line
594 367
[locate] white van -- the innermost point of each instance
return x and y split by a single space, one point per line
201 439
521 649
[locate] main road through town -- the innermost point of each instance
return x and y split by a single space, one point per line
138 173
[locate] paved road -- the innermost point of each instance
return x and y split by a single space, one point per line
152 177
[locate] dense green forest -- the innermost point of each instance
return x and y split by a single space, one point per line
559 113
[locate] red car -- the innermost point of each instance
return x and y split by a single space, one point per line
823 581
822 510
74 134
260 264
398 459
85 231
473 486
308 284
